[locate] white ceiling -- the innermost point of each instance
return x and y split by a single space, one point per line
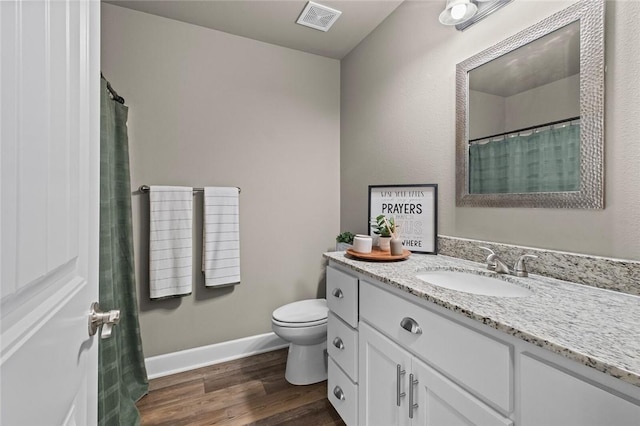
274 21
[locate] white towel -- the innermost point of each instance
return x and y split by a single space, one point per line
170 241
221 236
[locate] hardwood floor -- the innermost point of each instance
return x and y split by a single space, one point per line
248 391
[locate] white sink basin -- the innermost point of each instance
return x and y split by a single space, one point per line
472 283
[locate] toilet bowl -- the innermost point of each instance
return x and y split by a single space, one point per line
304 325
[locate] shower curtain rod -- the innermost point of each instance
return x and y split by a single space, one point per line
145 188
525 129
114 94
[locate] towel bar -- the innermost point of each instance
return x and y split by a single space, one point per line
145 188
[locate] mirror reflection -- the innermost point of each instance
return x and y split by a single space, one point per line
524 118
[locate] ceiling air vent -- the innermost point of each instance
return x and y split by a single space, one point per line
318 16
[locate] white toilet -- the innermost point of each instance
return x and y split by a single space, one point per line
304 325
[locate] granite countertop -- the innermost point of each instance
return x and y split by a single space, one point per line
598 328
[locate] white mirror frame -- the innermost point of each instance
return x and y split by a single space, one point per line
590 13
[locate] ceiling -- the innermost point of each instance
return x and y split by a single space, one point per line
274 21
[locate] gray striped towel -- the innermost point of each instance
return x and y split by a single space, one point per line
170 241
221 239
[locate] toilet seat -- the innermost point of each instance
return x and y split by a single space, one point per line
298 324
305 313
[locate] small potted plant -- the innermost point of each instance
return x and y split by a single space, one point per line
384 228
344 241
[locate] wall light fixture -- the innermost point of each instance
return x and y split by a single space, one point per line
464 13
457 12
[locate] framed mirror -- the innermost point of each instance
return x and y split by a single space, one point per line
530 116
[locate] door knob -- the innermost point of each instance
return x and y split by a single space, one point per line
337 342
106 320
337 293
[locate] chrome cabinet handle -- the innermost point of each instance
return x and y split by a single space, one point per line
338 393
410 325
337 342
412 406
399 394
337 293
106 320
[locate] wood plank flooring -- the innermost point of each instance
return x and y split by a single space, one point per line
248 391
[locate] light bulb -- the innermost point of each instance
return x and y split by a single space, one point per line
458 11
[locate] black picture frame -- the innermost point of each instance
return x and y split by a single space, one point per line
415 209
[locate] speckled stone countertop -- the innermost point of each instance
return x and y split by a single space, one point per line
598 328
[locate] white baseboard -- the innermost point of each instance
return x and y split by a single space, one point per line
189 359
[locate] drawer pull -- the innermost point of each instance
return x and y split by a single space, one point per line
399 372
412 406
338 393
337 342
410 325
337 293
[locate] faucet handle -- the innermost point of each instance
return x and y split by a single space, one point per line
491 252
520 269
491 259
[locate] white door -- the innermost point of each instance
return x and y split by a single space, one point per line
49 199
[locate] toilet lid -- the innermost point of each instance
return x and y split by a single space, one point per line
302 312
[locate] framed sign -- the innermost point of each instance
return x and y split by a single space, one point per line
414 209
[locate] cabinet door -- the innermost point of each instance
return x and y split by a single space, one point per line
442 402
552 397
378 374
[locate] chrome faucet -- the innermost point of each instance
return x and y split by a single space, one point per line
520 269
494 263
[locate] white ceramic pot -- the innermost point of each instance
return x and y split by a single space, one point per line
384 243
362 243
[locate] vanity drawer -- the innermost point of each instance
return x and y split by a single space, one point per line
472 359
343 394
342 295
342 345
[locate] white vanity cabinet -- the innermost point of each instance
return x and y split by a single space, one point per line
342 344
398 388
419 363
478 362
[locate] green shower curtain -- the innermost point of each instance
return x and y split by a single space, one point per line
122 377
545 161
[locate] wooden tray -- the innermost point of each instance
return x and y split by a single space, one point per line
378 255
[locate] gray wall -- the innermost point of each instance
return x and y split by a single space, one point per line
209 108
496 114
488 116
551 102
398 126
